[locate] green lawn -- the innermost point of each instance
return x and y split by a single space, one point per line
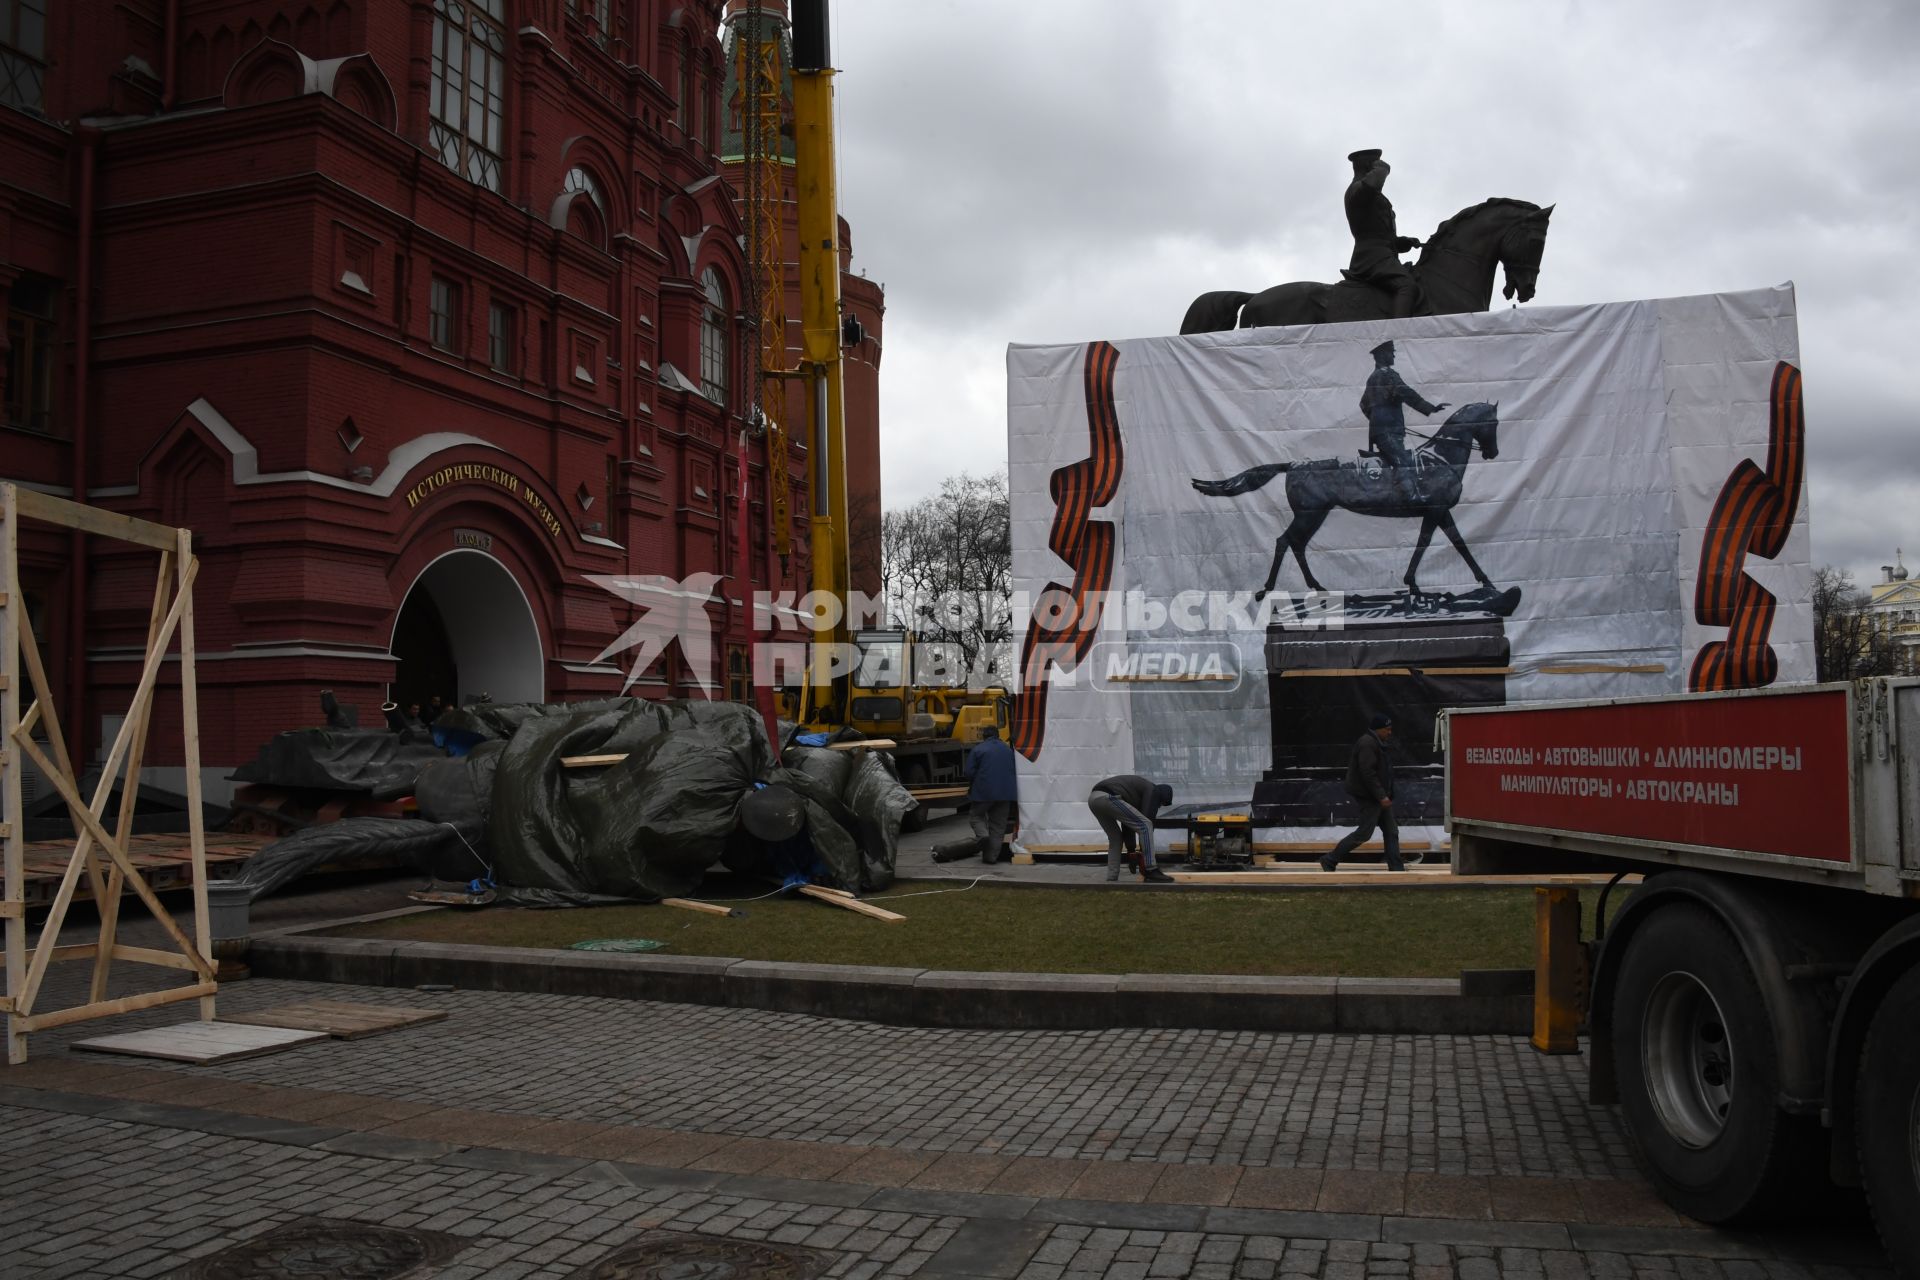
1328 932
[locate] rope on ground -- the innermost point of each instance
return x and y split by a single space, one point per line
921 893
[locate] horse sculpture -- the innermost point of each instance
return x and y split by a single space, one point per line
1316 489
1454 271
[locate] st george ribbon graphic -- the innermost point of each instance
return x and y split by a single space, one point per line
1753 513
1085 544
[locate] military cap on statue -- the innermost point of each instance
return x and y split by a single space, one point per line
1365 157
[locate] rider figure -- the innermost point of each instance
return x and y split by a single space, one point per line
1377 242
1386 421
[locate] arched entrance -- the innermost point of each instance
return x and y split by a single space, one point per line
466 629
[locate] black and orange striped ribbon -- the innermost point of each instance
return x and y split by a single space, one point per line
1754 513
1084 543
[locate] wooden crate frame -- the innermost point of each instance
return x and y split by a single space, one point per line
172 613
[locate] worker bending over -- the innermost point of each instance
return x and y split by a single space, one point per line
1124 805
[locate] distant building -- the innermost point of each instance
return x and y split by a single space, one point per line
1893 609
417 312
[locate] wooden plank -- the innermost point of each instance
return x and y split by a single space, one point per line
1412 877
108 896
337 1018
186 566
148 955
12 847
707 908
203 1043
820 894
1400 671
125 1004
937 793
877 744
1190 678
591 762
45 707
35 505
1322 846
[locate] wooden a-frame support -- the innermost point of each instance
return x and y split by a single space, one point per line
172 613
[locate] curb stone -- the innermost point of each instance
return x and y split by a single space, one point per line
917 997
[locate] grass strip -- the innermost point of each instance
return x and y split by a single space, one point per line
1406 933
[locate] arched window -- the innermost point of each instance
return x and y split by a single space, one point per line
713 339
586 218
579 179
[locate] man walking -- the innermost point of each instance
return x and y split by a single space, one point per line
992 792
1370 781
1385 393
1124 806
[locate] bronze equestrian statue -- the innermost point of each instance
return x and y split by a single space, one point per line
1454 272
1377 242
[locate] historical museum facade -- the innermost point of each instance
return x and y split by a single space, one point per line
418 313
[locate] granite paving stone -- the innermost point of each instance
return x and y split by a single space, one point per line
551 1130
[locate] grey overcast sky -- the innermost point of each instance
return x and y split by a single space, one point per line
1060 170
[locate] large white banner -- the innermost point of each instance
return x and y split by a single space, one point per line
1624 482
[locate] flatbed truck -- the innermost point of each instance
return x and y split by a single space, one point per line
1753 1005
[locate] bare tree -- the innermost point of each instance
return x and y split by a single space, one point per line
1847 641
947 565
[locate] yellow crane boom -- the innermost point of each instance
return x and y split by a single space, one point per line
820 324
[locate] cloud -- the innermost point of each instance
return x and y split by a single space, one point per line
1024 172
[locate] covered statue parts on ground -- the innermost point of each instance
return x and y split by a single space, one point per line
697 785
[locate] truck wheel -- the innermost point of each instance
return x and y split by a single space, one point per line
1887 1121
1694 1055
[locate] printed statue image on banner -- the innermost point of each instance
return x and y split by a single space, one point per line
1238 547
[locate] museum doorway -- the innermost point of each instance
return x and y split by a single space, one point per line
466 629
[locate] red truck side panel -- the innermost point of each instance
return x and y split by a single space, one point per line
1765 774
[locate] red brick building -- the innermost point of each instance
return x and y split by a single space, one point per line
418 312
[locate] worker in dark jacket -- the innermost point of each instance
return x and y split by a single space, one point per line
992 791
1370 781
1124 805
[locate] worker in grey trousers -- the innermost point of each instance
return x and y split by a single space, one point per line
1124 806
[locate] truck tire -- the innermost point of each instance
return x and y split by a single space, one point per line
1887 1121
1694 1052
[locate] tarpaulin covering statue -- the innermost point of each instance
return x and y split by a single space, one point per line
509 812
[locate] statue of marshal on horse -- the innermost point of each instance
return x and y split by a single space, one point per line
1454 273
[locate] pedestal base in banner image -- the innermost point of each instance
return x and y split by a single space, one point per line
1324 686
1318 798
